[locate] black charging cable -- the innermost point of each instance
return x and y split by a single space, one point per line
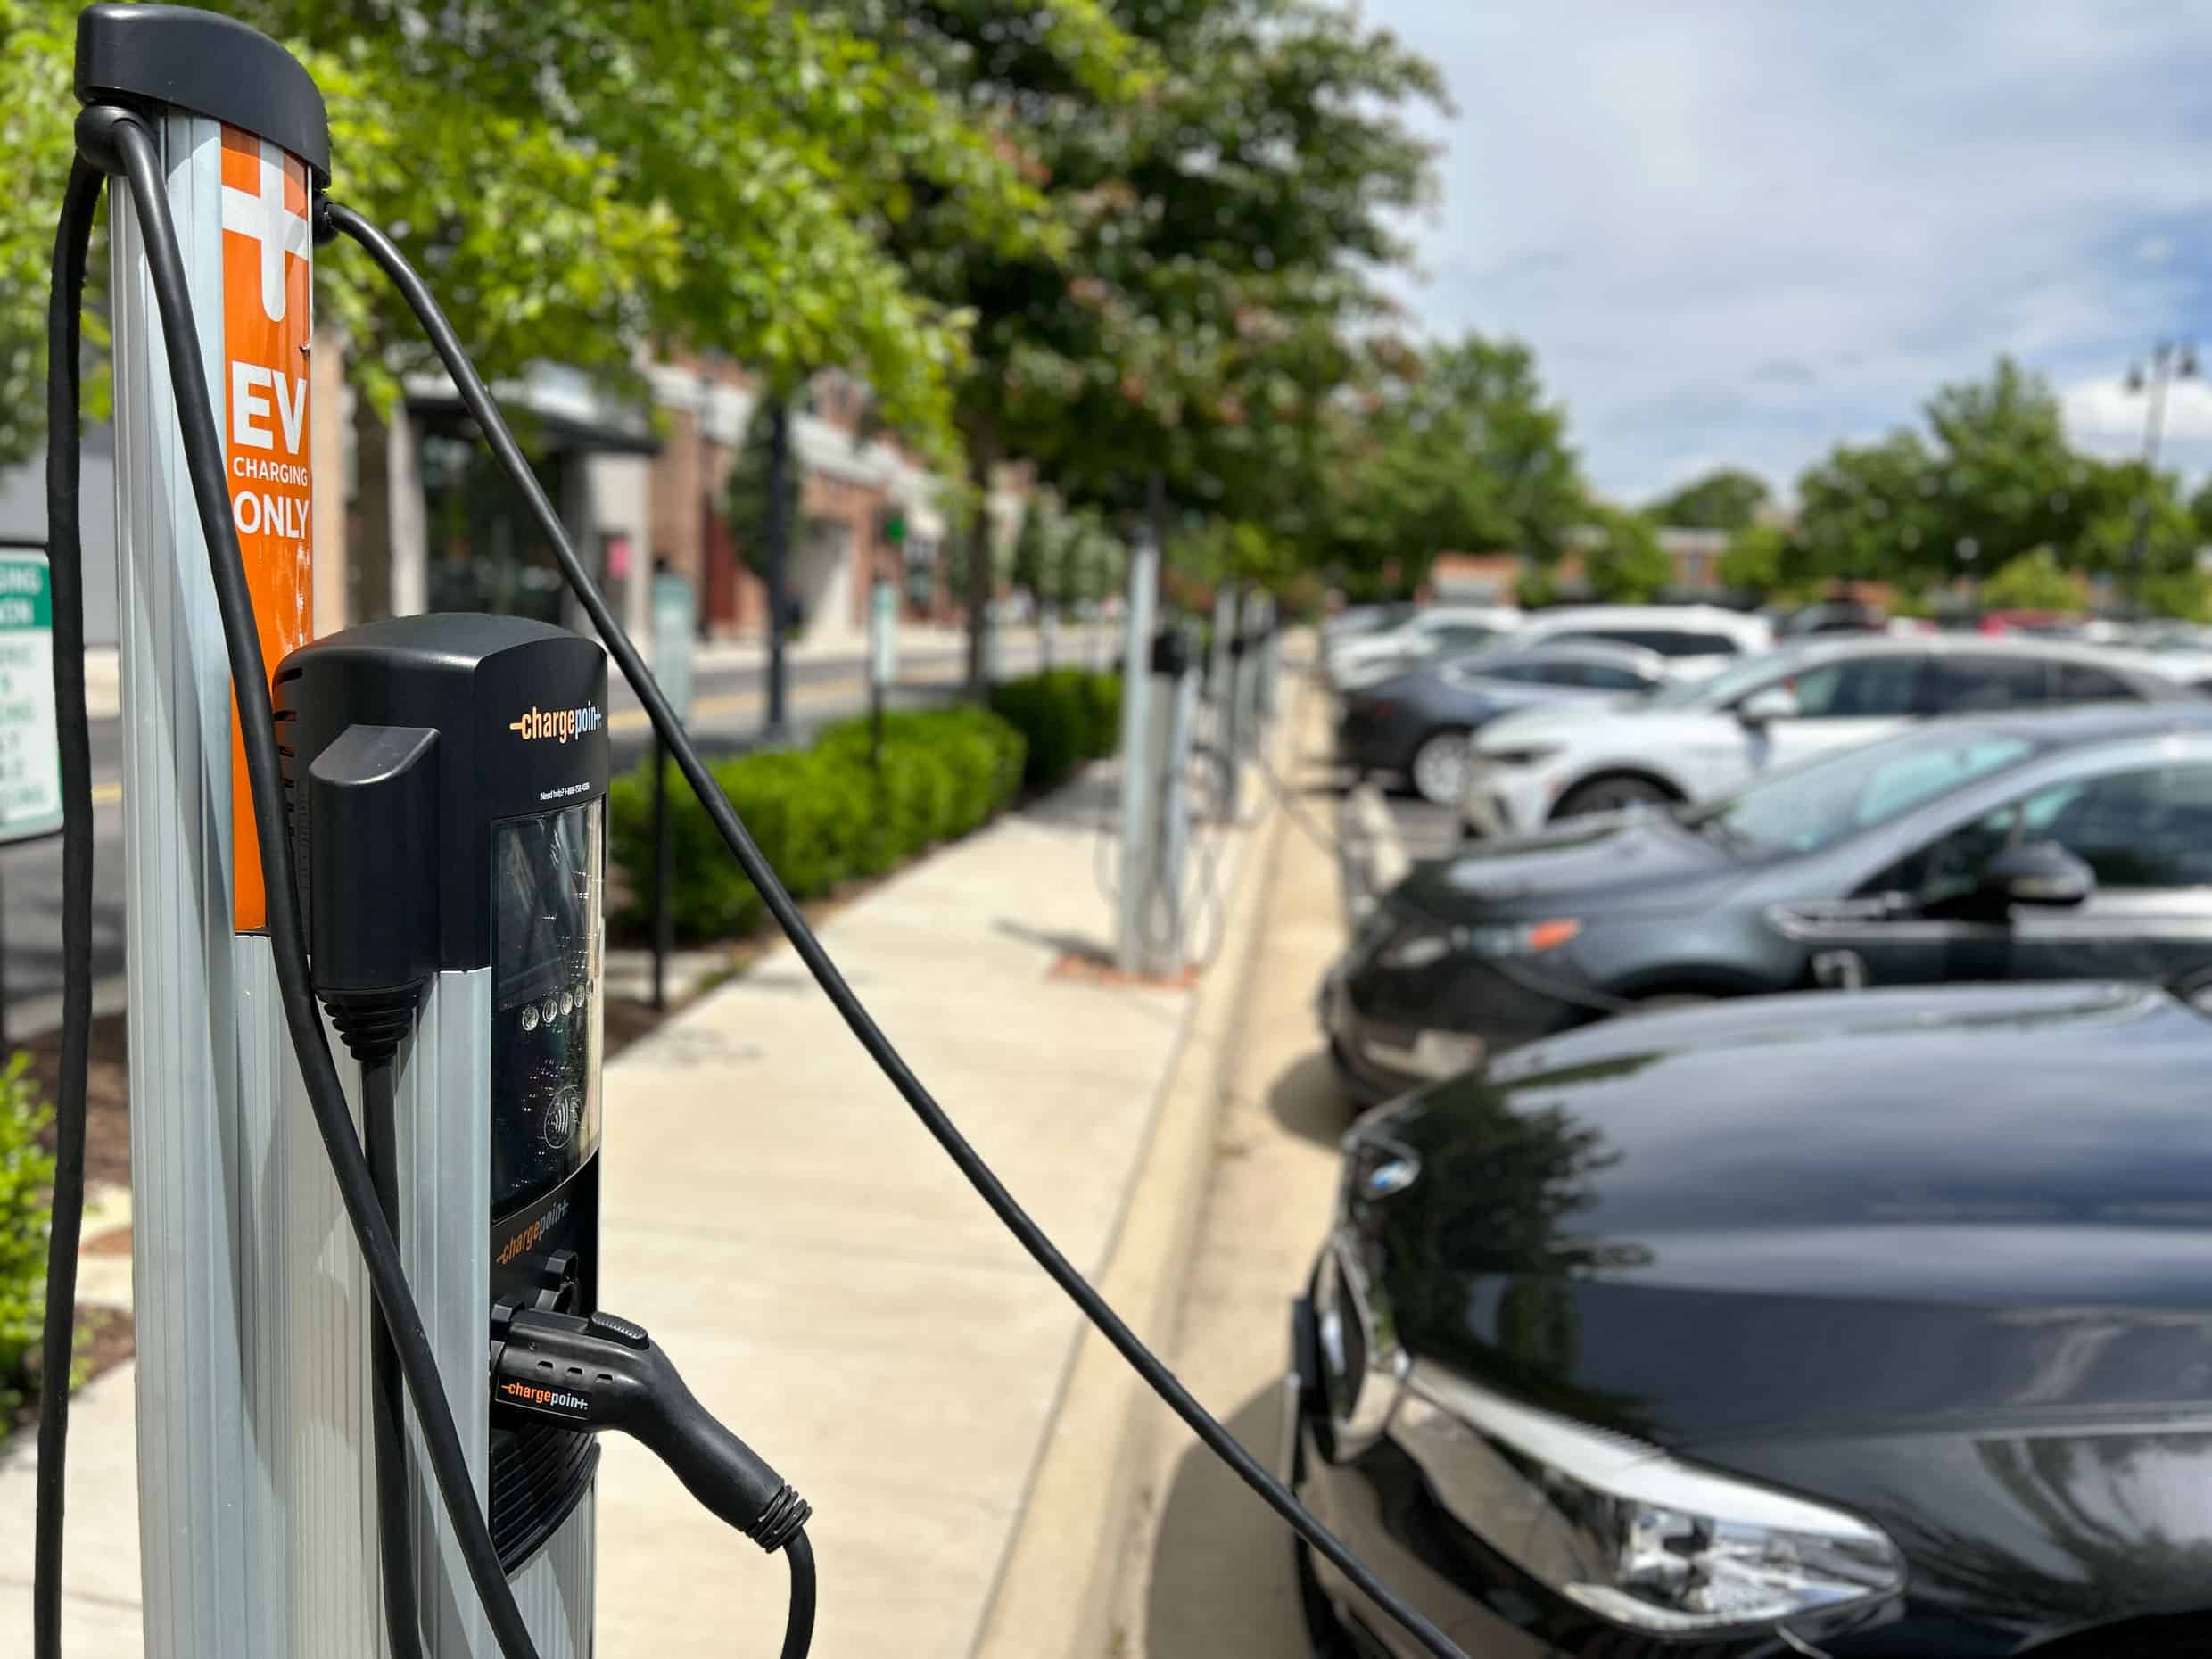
72 238
387 1387
332 216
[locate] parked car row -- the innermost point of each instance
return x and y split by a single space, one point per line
1787 1231
1515 768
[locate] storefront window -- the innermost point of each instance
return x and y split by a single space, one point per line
485 552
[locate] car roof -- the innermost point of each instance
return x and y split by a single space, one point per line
2093 723
2120 656
1657 616
1465 613
1632 657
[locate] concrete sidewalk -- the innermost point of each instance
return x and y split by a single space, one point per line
830 1286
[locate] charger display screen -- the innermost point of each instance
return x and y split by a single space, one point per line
547 946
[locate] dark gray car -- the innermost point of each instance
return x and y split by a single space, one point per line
1417 724
2033 847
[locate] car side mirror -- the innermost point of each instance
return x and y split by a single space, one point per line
2035 872
1768 702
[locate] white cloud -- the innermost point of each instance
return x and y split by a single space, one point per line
1748 230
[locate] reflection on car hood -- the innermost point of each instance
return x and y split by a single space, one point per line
1799 1209
1629 720
1640 860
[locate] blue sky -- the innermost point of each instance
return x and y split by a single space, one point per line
1738 231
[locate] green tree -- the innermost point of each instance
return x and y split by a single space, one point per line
1626 565
1726 498
1035 566
2032 581
1456 448
2184 594
1755 561
1220 226
590 178
1994 479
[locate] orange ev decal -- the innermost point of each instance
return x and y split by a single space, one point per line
267 264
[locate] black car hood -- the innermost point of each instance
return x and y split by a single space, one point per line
1818 1210
1641 860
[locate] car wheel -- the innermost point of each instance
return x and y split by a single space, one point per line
1439 772
1610 794
1671 999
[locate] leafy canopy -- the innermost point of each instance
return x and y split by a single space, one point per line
1726 498
1455 448
582 180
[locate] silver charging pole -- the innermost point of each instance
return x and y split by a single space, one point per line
1174 699
1138 820
1221 702
256 1499
251 1347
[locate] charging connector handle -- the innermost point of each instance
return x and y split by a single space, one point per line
597 1371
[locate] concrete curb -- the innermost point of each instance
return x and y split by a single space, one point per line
1054 1597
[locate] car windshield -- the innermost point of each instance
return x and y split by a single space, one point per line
1804 808
1715 689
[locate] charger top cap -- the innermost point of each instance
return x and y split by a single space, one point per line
183 58
519 708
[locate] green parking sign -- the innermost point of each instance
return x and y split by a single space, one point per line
31 759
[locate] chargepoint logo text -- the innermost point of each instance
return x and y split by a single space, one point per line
544 1397
560 725
531 1233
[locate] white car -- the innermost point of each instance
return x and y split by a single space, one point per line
1696 639
1695 739
1434 631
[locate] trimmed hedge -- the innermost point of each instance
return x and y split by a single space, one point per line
26 1211
822 815
1067 716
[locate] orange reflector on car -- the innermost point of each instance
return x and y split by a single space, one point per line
1546 936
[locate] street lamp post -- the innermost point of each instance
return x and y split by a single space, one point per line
2170 360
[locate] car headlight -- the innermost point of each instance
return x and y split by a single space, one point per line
1362 1364
1625 1530
1416 945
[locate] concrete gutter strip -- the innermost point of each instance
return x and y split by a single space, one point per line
1058 1580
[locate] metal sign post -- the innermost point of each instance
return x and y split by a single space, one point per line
30 757
675 621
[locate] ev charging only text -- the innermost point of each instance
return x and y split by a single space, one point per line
265 405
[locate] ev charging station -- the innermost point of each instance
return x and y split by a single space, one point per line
1154 892
257 1480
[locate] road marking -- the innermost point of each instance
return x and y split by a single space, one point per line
107 794
741 703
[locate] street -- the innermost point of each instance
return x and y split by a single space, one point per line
728 705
